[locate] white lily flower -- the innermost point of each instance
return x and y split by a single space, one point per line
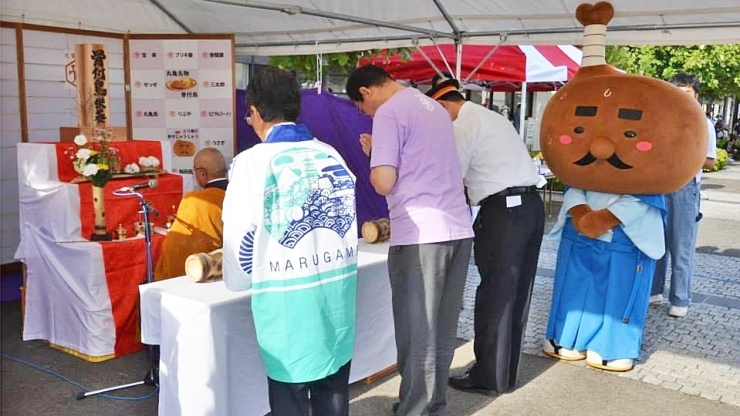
80 140
83 154
90 169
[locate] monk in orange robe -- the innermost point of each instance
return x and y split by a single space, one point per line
198 227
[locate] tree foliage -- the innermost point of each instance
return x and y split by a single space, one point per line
341 63
717 66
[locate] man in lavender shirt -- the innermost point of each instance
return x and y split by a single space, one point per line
414 164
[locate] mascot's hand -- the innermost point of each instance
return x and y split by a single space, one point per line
577 212
596 223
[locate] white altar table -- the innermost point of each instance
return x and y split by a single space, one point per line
210 362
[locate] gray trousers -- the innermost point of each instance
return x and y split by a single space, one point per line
427 282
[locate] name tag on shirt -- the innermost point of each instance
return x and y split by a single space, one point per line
513 201
542 182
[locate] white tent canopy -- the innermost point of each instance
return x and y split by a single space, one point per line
320 26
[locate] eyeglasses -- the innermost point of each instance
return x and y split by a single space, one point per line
195 169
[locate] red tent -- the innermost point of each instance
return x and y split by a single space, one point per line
542 67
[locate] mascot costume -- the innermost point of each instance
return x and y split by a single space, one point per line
618 142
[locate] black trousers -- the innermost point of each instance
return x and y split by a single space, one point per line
506 248
326 397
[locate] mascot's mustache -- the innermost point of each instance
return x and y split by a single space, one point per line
613 160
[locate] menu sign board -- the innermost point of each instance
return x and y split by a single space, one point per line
182 92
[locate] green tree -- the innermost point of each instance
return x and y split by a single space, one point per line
340 63
717 66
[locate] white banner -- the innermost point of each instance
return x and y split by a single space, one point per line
182 92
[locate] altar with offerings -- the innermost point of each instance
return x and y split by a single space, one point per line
81 295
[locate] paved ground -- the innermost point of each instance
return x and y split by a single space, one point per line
689 366
698 355
719 231
549 388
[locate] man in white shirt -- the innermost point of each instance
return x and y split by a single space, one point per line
682 224
500 177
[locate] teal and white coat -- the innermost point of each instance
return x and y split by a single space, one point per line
290 235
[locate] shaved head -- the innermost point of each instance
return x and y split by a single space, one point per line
211 161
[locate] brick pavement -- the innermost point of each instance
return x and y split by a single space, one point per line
698 355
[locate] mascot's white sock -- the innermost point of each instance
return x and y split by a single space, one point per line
556 351
594 360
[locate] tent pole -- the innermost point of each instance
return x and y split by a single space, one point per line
319 71
444 59
293 10
480 64
171 16
458 57
522 109
424 55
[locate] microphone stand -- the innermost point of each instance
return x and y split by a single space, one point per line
152 376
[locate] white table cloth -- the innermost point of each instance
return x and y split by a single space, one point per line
67 297
210 362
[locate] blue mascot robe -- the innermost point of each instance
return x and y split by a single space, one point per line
602 285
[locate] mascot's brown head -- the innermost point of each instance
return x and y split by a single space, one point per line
616 133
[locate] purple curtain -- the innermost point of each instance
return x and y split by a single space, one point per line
337 122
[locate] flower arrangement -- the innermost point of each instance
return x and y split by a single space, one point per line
95 159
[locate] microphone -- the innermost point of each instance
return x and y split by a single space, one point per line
152 183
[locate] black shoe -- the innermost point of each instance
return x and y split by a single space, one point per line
465 383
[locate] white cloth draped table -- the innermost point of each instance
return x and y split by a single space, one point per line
67 296
209 359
